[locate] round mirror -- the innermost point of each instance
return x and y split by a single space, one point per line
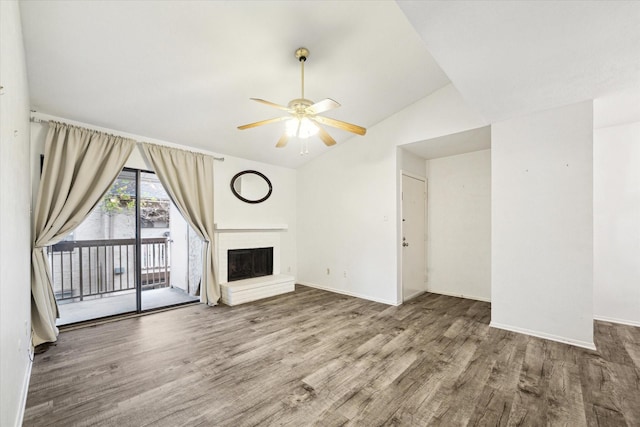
251 186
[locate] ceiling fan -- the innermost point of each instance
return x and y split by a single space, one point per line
304 119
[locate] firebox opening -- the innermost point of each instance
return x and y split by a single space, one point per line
248 263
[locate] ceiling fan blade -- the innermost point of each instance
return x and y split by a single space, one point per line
341 125
322 106
325 137
272 104
283 140
262 122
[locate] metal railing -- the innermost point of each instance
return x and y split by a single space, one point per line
86 268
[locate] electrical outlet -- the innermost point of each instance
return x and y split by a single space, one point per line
328 271
19 345
345 274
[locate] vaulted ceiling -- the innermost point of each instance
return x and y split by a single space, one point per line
509 58
183 71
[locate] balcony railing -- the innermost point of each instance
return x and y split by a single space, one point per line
89 268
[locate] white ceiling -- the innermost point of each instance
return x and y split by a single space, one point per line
183 71
452 145
509 58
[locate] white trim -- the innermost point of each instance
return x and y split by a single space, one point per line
550 337
414 295
619 321
25 391
451 294
261 227
413 175
351 294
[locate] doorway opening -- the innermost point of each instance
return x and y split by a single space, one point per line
131 254
414 203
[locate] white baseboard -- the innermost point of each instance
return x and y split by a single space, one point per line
412 296
451 294
620 321
351 294
550 337
25 391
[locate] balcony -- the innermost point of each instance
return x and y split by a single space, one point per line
97 278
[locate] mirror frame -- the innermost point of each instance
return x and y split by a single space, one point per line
261 175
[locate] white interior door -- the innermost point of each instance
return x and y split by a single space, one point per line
414 272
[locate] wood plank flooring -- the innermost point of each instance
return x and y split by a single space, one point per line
317 358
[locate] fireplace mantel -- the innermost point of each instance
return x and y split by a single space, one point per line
222 228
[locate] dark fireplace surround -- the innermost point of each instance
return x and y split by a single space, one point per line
248 263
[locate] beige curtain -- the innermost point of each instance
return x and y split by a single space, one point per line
79 167
188 178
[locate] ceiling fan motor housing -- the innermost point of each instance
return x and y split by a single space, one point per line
299 105
302 54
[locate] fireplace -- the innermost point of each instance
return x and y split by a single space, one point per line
248 263
236 261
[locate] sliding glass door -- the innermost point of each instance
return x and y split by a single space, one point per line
164 254
120 259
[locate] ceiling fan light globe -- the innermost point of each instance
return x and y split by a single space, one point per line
307 128
291 127
302 128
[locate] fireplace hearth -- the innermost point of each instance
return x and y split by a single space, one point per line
248 263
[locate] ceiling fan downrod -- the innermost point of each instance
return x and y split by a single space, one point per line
302 54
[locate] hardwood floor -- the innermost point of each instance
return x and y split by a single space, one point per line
317 358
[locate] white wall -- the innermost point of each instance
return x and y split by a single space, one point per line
412 163
616 208
542 224
348 200
346 220
280 208
15 228
459 225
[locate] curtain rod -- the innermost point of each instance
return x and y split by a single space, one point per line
38 120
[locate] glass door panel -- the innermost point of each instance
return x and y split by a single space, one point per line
164 248
93 268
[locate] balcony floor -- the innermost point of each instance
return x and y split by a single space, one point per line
109 305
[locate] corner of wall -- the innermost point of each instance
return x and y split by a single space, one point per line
15 220
616 202
542 224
